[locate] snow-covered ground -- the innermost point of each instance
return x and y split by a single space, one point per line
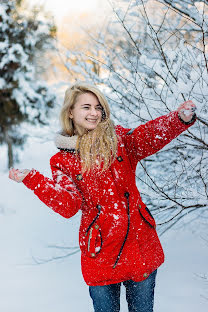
28 228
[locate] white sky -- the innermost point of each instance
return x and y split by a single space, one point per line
61 7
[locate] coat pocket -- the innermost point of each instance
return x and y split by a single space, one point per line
94 241
147 216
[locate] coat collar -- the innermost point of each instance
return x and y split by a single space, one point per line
65 141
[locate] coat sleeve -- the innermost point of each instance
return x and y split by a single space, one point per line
151 137
59 194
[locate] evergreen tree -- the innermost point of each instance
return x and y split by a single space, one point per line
22 97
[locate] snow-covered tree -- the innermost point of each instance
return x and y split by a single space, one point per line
23 98
153 57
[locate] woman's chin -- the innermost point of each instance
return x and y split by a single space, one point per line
91 127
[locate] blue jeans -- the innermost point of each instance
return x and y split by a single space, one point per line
139 296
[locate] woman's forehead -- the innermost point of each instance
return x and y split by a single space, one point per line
88 98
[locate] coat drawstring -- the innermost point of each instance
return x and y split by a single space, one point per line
126 194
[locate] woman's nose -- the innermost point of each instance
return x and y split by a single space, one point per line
93 112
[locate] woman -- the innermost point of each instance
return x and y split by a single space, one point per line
94 171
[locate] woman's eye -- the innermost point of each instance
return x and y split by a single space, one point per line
99 108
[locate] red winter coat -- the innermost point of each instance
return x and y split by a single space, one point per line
117 236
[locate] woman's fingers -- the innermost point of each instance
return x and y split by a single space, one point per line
10 174
18 175
189 105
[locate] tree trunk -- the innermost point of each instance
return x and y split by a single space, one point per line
9 149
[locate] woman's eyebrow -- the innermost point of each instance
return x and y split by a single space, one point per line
91 104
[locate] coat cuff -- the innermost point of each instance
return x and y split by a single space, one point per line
32 179
193 119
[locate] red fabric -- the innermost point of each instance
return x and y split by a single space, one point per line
101 197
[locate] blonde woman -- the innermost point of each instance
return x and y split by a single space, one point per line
94 170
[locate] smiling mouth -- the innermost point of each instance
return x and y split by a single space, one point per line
92 120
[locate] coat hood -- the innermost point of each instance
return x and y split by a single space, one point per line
65 141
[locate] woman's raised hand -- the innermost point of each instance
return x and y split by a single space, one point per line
18 175
186 110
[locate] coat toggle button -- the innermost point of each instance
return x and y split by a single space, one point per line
126 194
98 207
120 158
79 177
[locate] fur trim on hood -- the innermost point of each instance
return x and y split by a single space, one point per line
65 141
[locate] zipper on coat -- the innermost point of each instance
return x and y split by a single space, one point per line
126 194
93 221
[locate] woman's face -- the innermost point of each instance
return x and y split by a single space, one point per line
87 111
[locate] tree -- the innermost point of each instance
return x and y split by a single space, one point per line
23 98
153 57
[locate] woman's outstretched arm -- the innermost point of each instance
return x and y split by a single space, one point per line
60 194
151 137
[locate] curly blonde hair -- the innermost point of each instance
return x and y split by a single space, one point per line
97 148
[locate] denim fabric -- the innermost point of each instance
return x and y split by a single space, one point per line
139 295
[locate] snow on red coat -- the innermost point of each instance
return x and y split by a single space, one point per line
117 236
